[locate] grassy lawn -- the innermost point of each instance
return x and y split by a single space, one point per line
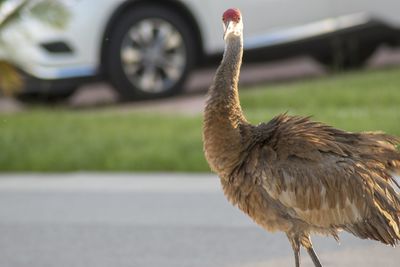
57 140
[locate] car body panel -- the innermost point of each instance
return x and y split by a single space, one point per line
386 11
21 41
261 17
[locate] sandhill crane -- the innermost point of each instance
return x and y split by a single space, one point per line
296 175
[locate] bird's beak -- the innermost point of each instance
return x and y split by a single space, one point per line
227 25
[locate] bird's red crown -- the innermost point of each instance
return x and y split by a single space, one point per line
232 14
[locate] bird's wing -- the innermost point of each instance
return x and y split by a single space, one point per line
315 176
321 194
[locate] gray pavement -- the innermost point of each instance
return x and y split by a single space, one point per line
147 220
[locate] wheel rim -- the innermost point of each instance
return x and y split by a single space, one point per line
153 55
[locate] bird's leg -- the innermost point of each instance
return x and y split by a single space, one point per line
294 241
297 256
314 257
306 242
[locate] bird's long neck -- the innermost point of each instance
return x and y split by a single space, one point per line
223 94
223 114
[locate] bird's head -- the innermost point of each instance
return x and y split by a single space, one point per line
232 20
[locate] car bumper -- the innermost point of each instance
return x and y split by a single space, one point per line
33 84
24 43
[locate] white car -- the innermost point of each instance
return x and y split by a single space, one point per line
147 48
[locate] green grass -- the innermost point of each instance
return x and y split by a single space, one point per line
57 140
358 101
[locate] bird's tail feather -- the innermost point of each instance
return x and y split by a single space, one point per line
383 223
382 229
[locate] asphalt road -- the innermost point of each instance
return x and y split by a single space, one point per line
84 220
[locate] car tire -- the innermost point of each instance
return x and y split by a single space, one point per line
150 53
346 55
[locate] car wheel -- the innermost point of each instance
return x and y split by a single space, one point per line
150 53
346 55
